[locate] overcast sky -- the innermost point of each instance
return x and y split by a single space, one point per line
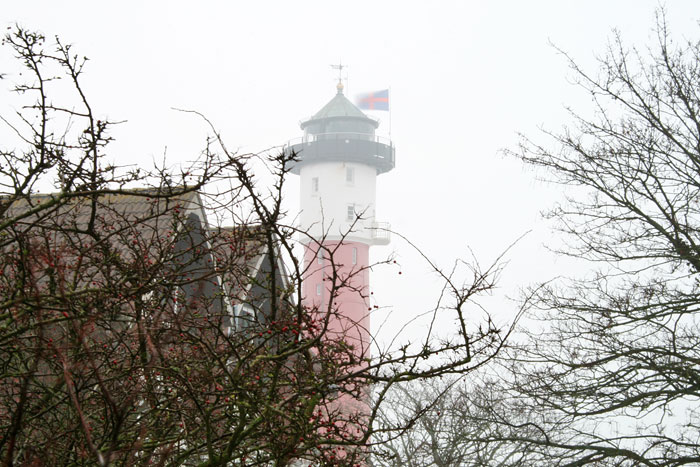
465 78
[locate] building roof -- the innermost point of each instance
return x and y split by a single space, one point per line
140 224
339 106
139 205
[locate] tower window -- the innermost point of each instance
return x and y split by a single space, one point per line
318 289
319 256
314 185
350 174
350 216
354 255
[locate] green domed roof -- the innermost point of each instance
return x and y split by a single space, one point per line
339 109
339 106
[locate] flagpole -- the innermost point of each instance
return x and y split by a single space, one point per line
390 106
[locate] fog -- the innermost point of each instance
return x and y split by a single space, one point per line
465 79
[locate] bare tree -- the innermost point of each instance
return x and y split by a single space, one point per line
453 427
132 332
607 369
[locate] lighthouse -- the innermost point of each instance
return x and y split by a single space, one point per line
339 159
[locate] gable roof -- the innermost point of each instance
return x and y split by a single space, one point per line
58 209
146 223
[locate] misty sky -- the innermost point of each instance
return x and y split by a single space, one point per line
465 78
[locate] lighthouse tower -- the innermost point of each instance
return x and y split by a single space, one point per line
339 160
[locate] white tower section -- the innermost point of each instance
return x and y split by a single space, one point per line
338 198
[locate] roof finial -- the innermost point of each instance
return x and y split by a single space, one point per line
339 67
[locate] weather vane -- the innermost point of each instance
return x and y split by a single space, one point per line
339 67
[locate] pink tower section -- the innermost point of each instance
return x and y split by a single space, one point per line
345 303
349 319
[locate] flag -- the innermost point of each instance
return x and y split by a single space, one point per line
377 100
